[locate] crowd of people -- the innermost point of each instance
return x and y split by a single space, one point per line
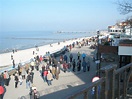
49 66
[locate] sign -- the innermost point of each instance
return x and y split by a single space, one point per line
97 61
93 89
95 79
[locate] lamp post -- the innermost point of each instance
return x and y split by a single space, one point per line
98 61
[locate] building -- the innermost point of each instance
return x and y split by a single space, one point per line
120 35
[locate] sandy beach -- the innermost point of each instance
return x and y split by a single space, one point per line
67 83
24 56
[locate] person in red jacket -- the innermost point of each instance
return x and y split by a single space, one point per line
1 91
65 65
41 58
45 75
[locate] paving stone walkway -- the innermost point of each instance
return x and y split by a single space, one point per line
68 82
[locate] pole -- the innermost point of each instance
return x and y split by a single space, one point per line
98 53
130 31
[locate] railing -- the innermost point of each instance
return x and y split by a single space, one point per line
109 86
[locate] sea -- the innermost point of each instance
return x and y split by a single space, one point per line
29 39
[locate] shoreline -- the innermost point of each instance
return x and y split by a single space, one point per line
8 50
25 55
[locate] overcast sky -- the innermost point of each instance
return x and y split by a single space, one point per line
54 15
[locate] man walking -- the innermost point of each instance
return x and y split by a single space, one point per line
84 65
71 56
74 65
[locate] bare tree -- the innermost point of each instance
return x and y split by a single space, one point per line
125 6
129 21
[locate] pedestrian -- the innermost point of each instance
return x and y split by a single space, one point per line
18 69
43 69
20 79
33 52
37 65
23 73
27 68
84 65
13 51
58 65
69 65
41 58
65 66
1 79
88 65
37 58
74 64
65 58
32 75
70 47
45 75
32 65
6 78
1 91
54 62
79 45
71 56
11 57
61 58
34 93
16 80
79 65
78 55
28 80
83 56
13 62
57 72
53 72
51 45
49 78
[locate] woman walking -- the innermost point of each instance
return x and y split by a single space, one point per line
49 78
57 72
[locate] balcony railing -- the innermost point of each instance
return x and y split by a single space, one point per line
114 84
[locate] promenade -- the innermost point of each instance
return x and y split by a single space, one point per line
67 83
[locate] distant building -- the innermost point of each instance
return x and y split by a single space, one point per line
115 29
120 35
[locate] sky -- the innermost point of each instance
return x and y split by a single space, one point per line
58 15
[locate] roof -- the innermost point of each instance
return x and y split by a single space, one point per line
125 42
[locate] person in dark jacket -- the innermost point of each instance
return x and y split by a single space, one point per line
74 65
79 65
88 65
32 76
71 56
84 64
28 80
65 58
16 80
13 62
